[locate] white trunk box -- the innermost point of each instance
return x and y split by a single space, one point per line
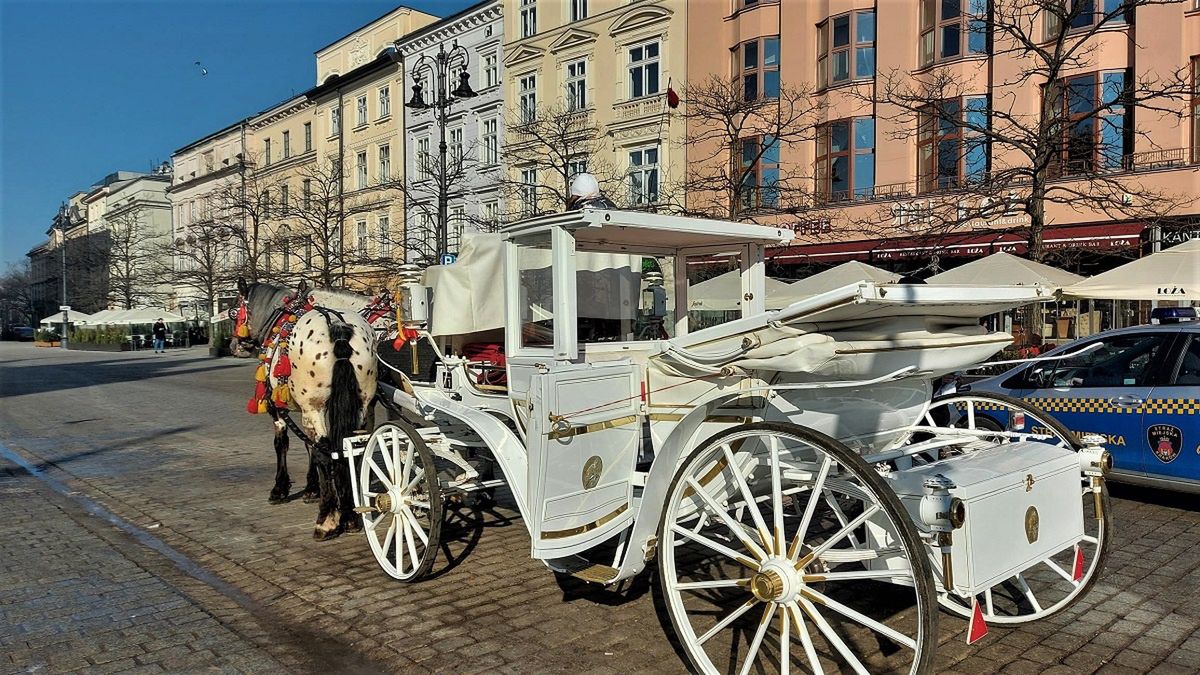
1024 504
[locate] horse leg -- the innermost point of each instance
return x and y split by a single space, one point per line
283 483
312 484
352 521
328 523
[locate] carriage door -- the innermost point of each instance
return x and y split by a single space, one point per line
582 439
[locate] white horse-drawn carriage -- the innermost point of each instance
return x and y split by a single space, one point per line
808 505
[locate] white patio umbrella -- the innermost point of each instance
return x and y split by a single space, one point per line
723 293
845 274
1005 269
1173 274
72 317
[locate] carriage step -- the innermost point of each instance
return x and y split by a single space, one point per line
583 569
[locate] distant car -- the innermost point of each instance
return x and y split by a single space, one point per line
1138 387
23 333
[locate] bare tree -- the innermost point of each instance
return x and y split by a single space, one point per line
17 307
731 137
555 143
245 203
1071 148
136 265
204 258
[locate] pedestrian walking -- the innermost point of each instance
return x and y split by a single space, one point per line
160 337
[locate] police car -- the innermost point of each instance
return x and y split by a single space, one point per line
1138 387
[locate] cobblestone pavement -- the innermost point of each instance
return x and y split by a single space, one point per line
164 554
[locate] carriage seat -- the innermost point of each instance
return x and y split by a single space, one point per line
487 366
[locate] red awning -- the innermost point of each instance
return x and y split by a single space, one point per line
968 244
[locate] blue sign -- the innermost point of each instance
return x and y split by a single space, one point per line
448 258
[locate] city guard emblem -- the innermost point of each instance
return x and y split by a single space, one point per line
1165 441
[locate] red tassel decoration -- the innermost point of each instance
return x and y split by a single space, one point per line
283 367
260 391
252 406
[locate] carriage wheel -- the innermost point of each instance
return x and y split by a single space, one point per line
1051 585
781 549
397 477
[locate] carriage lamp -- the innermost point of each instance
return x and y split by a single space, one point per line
943 513
1095 462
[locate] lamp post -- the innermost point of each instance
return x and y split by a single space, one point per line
440 68
64 218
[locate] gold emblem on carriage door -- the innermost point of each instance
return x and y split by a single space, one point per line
1031 524
591 472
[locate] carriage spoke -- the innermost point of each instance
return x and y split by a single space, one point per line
810 508
383 478
1090 539
776 497
387 539
1061 572
805 639
747 496
756 643
407 466
412 541
848 576
850 613
840 534
840 515
971 414
1024 586
991 606
387 456
400 545
415 525
719 548
733 526
833 638
785 639
723 623
714 583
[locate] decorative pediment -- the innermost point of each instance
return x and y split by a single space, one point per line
521 54
572 37
638 17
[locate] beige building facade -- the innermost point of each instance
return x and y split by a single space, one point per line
875 185
610 62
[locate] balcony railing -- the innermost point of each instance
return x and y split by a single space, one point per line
641 107
1156 159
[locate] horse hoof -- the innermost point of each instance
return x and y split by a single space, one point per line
352 525
310 497
276 499
325 535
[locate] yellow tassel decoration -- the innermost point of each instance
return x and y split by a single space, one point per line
282 394
243 331
262 406
260 375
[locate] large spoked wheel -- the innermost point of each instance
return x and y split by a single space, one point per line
398 479
1051 585
781 549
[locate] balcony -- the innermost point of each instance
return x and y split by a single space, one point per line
640 107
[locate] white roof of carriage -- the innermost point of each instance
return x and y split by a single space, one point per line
612 228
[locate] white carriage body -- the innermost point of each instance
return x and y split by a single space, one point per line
589 433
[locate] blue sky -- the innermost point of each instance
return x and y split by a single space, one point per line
90 87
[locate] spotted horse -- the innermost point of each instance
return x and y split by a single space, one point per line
318 357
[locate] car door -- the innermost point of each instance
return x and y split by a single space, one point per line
1171 420
1104 391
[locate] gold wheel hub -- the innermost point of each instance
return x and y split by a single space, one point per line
767 585
383 503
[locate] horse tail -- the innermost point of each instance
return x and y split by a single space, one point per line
344 408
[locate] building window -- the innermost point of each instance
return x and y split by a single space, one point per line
643 70
267 151
579 10
527 97
846 48
490 212
423 159
360 111
491 70
360 173
1097 133
952 151
491 142
1196 104
335 121
306 189
283 199
528 191
307 136
385 101
846 159
576 166
759 61
285 252
287 144
455 147
385 162
1083 14
361 239
577 85
952 28
383 225
456 219
760 173
643 175
528 18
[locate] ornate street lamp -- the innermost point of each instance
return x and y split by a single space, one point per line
440 68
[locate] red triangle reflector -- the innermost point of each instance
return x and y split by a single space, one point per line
977 628
1078 573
